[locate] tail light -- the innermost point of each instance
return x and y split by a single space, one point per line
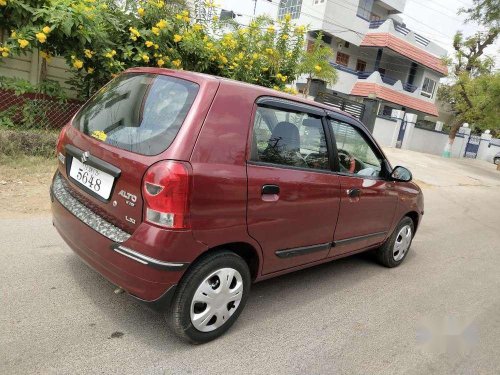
61 137
166 189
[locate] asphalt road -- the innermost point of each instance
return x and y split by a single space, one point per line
437 313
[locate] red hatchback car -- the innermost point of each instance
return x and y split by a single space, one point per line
183 189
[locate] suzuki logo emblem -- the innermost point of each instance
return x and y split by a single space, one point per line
85 156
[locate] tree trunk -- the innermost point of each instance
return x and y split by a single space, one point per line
308 86
43 71
455 126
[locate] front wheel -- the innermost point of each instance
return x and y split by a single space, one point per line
210 297
394 250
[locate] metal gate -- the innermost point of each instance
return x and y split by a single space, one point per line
354 108
472 146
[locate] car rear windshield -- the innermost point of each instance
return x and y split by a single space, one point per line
141 113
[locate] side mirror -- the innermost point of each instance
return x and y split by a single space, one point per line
402 174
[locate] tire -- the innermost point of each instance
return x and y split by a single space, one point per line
213 291
388 255
496 161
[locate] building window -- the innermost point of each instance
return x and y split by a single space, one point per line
428 88
365 9
386 111
342 59
291 7
360 65
318 1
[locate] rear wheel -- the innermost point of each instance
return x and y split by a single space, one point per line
210 297
496 161
394 250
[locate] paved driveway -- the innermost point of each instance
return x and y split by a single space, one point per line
437 313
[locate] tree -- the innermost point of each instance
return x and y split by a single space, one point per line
482 107
101 38
472 72
316 64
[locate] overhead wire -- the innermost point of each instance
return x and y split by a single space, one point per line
347 6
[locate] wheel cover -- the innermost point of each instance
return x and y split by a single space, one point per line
402 243
216 299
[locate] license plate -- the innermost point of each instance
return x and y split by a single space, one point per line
95 180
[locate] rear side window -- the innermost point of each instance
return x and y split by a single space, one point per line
141 113
289 138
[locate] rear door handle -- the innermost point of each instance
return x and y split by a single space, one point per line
354 193
270 189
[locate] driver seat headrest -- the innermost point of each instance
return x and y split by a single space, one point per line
285 136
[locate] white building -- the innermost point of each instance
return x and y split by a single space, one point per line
376 56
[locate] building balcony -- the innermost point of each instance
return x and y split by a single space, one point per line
387 79
374 85
398 38
386 88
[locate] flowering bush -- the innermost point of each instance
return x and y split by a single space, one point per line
100 38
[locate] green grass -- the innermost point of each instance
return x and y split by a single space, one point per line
21 161
18 143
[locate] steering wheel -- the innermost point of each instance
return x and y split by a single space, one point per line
314 160
303 160
347 161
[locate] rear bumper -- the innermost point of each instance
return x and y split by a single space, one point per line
113 253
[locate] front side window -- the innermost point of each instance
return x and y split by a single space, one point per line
141 113
355 154
428 87
289 138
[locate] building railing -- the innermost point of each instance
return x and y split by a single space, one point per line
409 87
364 75
385 78
344 68
389 80
402 30
376 24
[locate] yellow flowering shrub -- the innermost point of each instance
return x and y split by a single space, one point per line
41 37
23 43
90 35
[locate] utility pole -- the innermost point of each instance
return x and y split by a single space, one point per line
255 6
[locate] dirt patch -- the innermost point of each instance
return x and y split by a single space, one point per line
24 185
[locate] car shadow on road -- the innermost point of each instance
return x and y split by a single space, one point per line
267 298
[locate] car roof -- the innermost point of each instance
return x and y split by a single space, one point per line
260 90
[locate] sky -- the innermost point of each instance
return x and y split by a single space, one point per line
436 20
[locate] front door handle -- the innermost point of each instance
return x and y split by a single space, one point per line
270 189
354 192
